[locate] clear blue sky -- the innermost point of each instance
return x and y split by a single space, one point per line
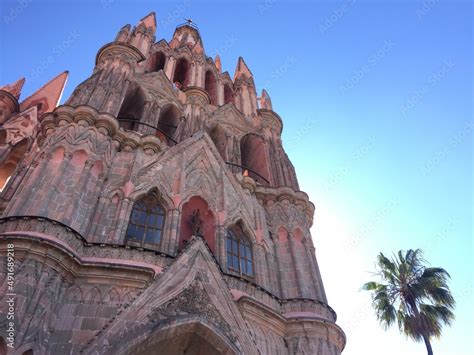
376 99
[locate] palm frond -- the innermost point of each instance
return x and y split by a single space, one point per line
414 296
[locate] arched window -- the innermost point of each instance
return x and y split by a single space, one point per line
239 252
147 219
168 122
219 138
181 73
132 108
228 94
156 62
253 158
10 163
210 86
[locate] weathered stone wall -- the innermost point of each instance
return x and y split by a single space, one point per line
82 287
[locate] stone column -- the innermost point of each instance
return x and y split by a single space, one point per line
257 270
253 99
276 246
97 217
272 275
192 81
156 112
145 119
174 231
80 188
199 77
296 264
169 67
165 234
221 236
320 294
125 208
53 186
92 205
312 270
220 92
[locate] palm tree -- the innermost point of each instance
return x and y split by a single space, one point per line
416 296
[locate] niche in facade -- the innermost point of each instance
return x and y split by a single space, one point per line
228 94
132 108
253 158
156 62
181 73
219 138
168 122
210 85
197 219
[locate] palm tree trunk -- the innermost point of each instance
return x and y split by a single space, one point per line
426 338
428 345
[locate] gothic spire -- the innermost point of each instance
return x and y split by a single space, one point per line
47 97
218 63
149 21
14 88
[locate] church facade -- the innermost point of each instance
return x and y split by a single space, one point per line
155 212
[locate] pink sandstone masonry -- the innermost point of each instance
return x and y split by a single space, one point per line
155 212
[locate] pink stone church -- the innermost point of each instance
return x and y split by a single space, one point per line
155 212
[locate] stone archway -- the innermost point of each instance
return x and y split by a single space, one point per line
184 338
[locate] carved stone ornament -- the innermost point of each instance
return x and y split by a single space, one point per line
193 301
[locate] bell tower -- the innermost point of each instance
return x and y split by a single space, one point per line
156 210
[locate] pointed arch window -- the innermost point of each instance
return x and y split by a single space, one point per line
10 164
239 253
145 228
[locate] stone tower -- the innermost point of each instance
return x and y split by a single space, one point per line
156 212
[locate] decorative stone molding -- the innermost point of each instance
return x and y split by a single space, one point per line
316 329
248 183
193 301
11 101
270 195
44 231
195 94
126 51
106 124
271 119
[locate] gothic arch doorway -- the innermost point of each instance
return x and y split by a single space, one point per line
190 338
